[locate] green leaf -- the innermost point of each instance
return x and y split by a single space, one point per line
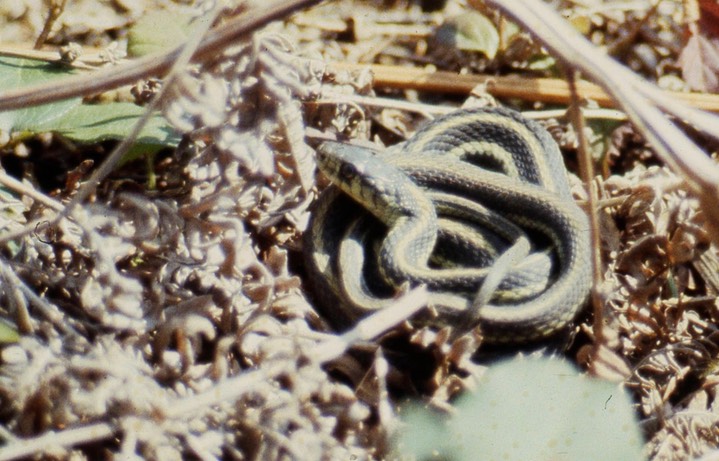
470 31
93 123
8 333
80 122
17 73
538 409
158 31
542 63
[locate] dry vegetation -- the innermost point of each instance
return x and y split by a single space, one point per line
174 322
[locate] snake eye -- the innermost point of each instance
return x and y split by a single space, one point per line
348 171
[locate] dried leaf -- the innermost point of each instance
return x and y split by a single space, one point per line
699 61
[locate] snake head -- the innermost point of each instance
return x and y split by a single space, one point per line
362 173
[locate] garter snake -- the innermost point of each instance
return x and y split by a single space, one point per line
477 181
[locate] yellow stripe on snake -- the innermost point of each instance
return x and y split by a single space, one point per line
476 206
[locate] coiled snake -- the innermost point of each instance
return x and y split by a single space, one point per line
476 205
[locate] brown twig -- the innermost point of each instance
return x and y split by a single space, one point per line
56 9
158 64
549 90
586 169
85 62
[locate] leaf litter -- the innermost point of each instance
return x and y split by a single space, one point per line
151 299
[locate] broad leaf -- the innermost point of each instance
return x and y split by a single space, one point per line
17 73
100 122
538 409
158 31
80 122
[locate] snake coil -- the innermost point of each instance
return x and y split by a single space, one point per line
476 205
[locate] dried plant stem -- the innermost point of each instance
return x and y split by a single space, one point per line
84 62
230 389
153 65
56 9
51 313
333 98
620 46
28 191
586 169
103 80
24 448
373 326
549 90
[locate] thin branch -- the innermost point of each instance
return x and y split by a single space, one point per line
56 9
549 90
157 64
333 98
83 62
586 169
230 390
24 189
22 448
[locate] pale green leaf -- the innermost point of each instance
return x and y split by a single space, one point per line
542 63
158 31
538 409
8 333
17 73
83 123
93 123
